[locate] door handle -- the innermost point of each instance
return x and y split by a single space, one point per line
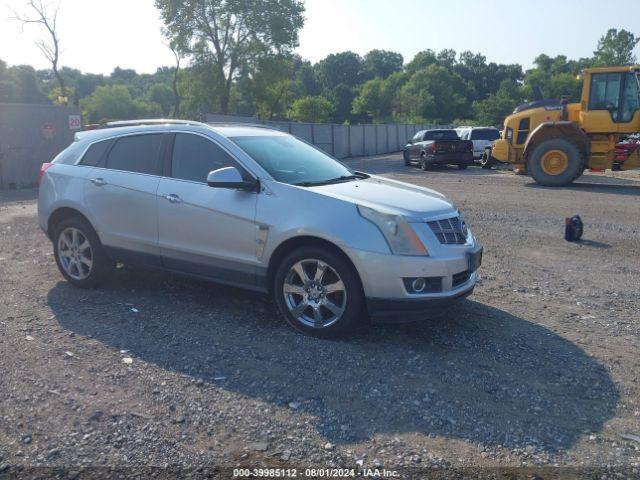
98 182
172 197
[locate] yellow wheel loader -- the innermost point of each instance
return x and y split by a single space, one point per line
555 141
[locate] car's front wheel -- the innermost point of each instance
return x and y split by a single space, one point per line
79 253
318 292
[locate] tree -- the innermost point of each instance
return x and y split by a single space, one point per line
174 81
421 61
227 34
378 98
615 48
436 94
494 109
343 68
382 63
311 109
161 94
27 86
114 102
43 17
271 85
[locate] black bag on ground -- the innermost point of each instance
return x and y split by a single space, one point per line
573 228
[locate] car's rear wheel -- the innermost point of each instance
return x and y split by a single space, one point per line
318 292
424 163
79 253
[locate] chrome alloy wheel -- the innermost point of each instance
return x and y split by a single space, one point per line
314 293
74 253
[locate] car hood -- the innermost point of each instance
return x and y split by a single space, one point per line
390 196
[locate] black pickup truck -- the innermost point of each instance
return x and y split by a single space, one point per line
438 147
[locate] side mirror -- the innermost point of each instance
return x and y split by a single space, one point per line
230 177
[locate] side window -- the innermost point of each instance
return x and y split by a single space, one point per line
195 156
427 136
605 92
94 154
138 153
523 131
630 97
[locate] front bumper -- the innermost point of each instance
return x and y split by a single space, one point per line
386 293
384 310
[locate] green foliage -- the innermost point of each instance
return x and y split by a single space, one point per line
436 94
228 35
493 109
615 48
344 68
311 109
114 102
382 63
162 95
377 99
255 74
271 85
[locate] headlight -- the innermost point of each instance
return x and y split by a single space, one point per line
396 230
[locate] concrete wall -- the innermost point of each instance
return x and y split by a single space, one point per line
341 141
31 135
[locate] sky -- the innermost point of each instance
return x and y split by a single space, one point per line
99 35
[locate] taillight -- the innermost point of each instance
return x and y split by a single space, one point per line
43 168
435 146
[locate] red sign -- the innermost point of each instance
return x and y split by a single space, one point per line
48 131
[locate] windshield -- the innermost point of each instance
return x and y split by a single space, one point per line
290 160
485 134
441 135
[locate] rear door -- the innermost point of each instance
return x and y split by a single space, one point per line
121 197
204 230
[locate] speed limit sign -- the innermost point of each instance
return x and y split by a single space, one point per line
75 123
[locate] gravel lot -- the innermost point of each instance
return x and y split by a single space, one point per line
539 367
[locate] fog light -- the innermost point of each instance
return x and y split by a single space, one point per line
418 285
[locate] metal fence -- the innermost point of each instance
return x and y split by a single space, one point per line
341 141
31 135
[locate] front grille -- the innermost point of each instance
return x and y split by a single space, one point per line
448 231
460 278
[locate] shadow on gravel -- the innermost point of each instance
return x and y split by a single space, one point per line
616 186
478 374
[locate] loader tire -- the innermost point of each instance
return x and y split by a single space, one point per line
555 163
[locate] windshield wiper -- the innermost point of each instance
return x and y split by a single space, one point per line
342 178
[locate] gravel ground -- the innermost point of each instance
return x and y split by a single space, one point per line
539 367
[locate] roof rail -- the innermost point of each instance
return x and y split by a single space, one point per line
240 124
150 121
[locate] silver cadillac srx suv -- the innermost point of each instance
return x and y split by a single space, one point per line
260 209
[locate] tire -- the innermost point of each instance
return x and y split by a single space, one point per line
297 298
485 161
555 163
424 165
82 266
407 158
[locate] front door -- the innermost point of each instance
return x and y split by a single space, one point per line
204 230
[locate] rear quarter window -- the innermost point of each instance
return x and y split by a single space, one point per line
95 153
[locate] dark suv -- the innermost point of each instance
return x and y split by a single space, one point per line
438 147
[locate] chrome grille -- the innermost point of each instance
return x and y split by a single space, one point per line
448 231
